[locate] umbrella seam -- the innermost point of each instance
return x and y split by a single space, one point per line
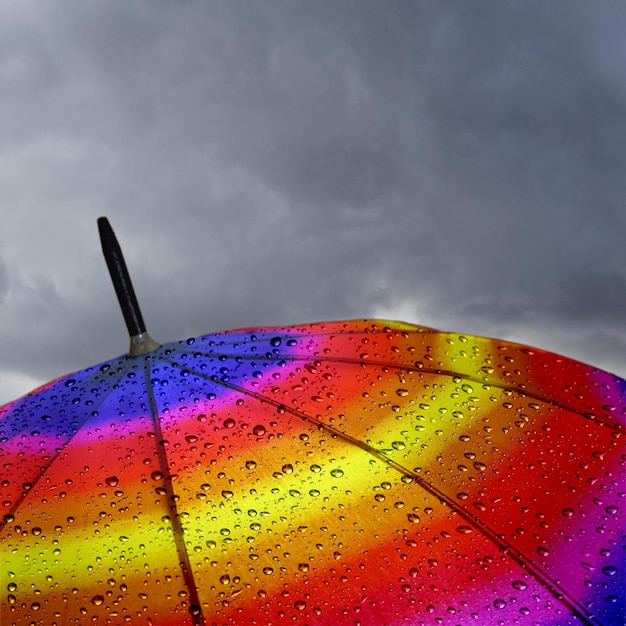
177 529
616 426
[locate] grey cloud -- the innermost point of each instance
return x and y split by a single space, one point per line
303 161
4 280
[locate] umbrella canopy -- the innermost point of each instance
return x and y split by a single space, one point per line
359 472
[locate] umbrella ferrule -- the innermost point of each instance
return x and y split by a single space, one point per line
142 344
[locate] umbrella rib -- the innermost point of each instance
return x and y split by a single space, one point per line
18 503
452 374
195 608
614 425
551 585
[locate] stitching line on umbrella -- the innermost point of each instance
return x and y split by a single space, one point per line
614 425
551 585
195 608
520 390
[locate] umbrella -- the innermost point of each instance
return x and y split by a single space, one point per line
356 472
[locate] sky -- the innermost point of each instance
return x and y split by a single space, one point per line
455 165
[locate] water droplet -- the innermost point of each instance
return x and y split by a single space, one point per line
250 465
227 494
336 473
268 571
225 579
499 603
609 570
300 605
258 430
541 551
464 530
287 469
112 481
275 342
402 392
97 600
520 585
568 512
229 423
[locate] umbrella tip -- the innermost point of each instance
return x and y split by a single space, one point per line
140 340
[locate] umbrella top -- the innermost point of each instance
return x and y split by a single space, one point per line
366 464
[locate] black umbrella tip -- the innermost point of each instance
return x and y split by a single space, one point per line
104 228
140 341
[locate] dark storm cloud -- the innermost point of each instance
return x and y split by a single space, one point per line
460 165
4 280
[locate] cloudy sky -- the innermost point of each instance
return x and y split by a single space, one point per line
457 165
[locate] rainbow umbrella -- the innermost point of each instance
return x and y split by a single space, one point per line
359 472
